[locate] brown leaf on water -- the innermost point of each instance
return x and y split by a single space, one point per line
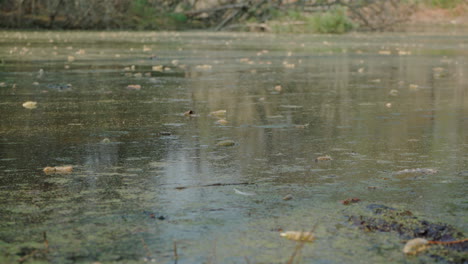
189 113
323 158
350 201
135 87
58 170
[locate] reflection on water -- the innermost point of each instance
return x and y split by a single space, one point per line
377 104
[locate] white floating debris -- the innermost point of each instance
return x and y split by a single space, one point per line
243 193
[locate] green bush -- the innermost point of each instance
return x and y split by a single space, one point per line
335 21
445 3
147 17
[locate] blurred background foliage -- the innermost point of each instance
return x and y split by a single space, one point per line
317 16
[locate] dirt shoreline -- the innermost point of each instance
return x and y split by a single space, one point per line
440 16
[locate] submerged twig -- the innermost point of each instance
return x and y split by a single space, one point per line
417 245
448 242
176 256
44 251
145 246
300 245
46 242
213 184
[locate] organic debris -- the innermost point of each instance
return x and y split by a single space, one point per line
58 170
417 171
203 67
226 143
288 197
30 105
302 126
386 219
222 122
243 193
213 184
299 236
394 92
323 158
218 113
417 245
414 246
350 201
158 68
189 113
135 87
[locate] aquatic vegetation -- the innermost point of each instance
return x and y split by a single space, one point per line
30 105
299 236
386 219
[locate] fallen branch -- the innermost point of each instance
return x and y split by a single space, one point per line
214 9
213 184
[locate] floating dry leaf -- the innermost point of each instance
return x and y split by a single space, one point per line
226 143
414 246
189 113
323 158
219 113
203 67
159 68
393 92
299 236
385 52
301 126
278 88
58 169
288 197
135 87
350 201
222 122
30 105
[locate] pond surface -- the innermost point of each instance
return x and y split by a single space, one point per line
148 179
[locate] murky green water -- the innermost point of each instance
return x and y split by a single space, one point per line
377 104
